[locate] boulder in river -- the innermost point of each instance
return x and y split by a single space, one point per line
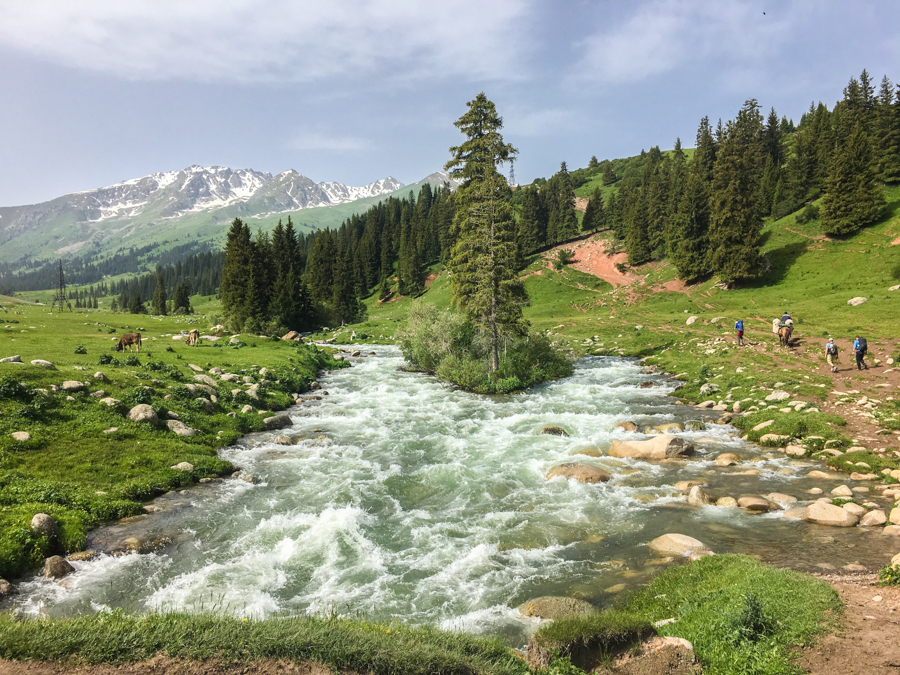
698 497
824 513
668 428
553 431
56 567
873 518
626 426
583 473
555 607
277 422
676 544
658 447
694 425
5 588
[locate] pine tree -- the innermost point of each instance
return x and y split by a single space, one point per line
594 215
593 163
889 134
562 222
160 297
609 175
484 281
852 197
637 241
532 231
181 300
734 217
234 288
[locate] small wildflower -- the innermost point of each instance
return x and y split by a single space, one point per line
244 619
388 630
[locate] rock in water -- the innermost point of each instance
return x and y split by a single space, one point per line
828 514
659 447
676 544
553 431
583 473
56 567
277 422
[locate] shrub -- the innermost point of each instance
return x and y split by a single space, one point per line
10 388
563 257
105 359
138 395
809 214
132 360
80 349
432 335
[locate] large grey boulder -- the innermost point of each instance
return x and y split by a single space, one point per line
206 379
778 395
12 359
873 519
676 544
277 422
56 567
180 428
72 385
183 466
143 413
43 364
583 473
658 447
206 404
553 431
45 525
823 513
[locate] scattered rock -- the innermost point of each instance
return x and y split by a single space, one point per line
206 379
778 395
284 440
863 476
82 555
823 513
763 425
694 425
698 497
43 364
247 409
781 499
855 302
842 491
44 524
553 431
5 587
726 501
676 544
705 404
143 413
795 450
590 452
553 607
579 471
659 447
855 509
710 388
207 405
727 459
110 401
56 567
686 485
180 428
669 427
12 359
626 426
895 516
277 422
21 436
755 504
773 439
815 473
690 320
183 466
72 385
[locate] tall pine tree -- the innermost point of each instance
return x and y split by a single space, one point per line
852 197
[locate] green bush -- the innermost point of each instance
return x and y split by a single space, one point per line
10 388
807 215
80 349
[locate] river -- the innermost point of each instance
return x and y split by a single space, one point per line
405 499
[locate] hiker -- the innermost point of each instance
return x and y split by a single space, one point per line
786 317
860 347
831 352
739 327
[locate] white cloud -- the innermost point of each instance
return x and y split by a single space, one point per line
519 122
319 141
661 37
271 40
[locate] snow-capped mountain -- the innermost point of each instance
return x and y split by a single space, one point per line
191 206
198 188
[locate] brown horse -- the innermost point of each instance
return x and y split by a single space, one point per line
784 335
128 340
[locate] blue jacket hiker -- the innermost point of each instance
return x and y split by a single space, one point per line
860 347
739 327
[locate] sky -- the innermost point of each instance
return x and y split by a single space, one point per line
100 91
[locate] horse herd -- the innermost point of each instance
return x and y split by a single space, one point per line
133 341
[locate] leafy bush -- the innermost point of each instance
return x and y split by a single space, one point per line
809 214
132 360
80 349
105 359
139 395
563 257
10 388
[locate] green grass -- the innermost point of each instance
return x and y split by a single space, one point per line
340 644
72 455
741 616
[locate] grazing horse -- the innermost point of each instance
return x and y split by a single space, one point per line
128 340
193 338
784 335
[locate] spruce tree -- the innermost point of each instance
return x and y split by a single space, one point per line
594 215
734 217
532 230
889 139
484 281
562 222
234 288
609 175
181 300
852 197
637 241
159 295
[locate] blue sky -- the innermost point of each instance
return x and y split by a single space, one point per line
96 92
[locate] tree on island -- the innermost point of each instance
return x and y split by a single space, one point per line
484 280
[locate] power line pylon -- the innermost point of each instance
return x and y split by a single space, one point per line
60 296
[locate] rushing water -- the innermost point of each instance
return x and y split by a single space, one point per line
406 499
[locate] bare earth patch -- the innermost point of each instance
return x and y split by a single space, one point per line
867 644
591 257
164 665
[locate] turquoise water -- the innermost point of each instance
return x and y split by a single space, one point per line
405 499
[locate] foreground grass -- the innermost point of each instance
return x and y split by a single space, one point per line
338 643
85 461
741 616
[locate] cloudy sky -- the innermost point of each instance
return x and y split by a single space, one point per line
100 91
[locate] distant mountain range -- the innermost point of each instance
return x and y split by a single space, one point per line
194 205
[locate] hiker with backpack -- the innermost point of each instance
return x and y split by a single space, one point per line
860 346
739 327
831 352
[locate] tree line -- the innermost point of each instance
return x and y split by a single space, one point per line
198 274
